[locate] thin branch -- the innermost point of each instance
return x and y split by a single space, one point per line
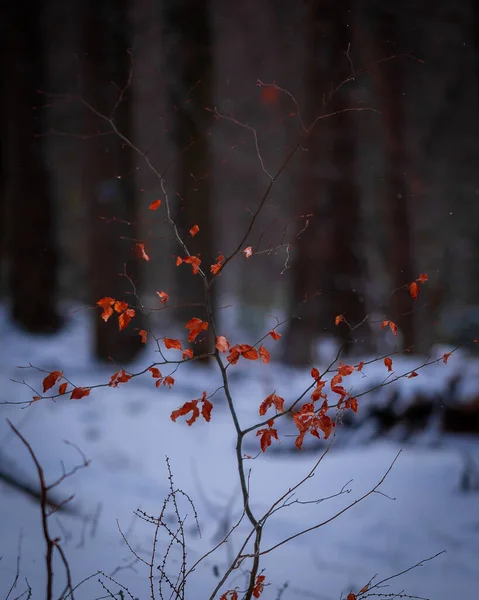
386 579
51 544
335 516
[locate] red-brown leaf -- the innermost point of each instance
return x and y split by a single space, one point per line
169 381
266 435
271 400
317 393
222 344
247 351
155 205
299 440
414 289
191 406
345 370
195 263
163 297
119 377
143 254
326 424
107 301
79 393
269 96
234 355
392 326
120 306
125 318
258 586
229 595
51 379
351 403
336 380
218 264
206 409
172 344
196 326
264 354
106 305
338 389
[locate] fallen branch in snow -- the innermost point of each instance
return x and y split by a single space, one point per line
15 482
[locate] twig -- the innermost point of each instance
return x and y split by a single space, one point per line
51 543
335 516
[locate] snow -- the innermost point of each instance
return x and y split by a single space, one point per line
127 433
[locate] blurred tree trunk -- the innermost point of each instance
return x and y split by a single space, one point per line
326 269
3 152
475 35
389 80
109 176
189 57
348 264
311 258
474 283
29 213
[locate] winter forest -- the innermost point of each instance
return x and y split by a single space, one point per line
239 299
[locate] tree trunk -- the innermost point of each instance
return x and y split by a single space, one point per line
30 224
312 278
4 57
327 271
389 81
109 177
189 56
348 265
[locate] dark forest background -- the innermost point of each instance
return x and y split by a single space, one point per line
373 197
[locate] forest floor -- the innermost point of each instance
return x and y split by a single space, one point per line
127 433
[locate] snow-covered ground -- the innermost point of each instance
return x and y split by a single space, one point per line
127 433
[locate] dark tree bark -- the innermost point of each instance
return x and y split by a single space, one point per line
311 259
348 267
3 152
109 176
475 235
327 270
189 56
389 81
29 214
